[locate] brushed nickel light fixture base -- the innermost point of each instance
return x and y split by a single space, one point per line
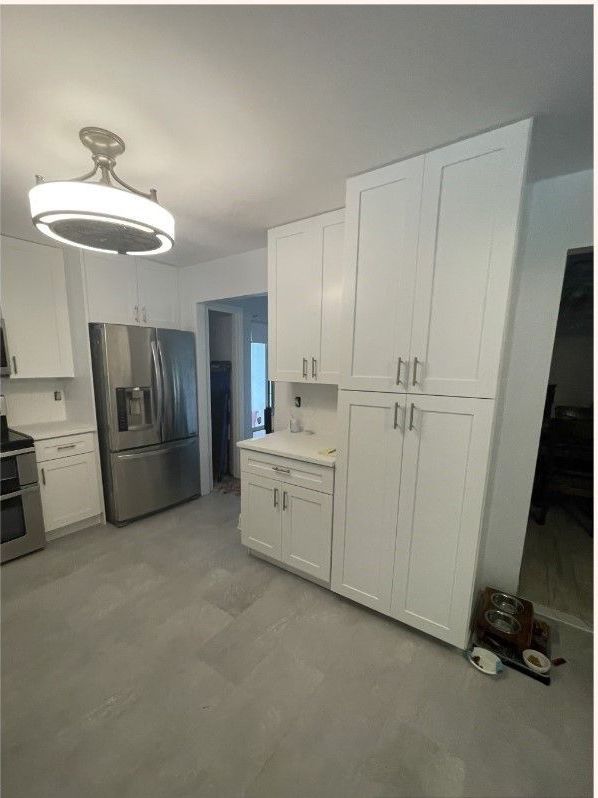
102 142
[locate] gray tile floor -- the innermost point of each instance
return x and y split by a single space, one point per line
557 569
159 660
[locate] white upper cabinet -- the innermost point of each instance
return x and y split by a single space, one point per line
293 301
366 496
430 250
35 309
443 478
111 288
122 289
304 297
468 234
382 217
158 294
330 239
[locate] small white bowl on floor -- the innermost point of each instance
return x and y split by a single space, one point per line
536 661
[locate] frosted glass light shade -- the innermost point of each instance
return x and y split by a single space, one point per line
101 218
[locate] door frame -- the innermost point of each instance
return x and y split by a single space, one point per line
204 386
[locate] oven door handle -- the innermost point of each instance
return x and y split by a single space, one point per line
14 494
16 453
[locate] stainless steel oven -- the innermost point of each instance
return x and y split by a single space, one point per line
21 519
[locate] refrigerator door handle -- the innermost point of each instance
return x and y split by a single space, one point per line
165 422
159 384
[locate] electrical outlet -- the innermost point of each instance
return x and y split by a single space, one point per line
297 401
57 396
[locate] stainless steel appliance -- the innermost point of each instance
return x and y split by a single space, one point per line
21 519
146 401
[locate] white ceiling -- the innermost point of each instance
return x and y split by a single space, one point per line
245 117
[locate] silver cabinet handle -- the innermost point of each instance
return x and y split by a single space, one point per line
136 309
396 417
281 468
14 365
304 368
144 314
415 365
411 416
284 500
276 497
399 366
43 476
66 446
314 368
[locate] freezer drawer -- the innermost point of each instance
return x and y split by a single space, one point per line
149 479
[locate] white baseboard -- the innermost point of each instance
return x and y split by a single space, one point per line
95 520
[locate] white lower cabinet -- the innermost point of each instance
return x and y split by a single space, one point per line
368 472
411 478
443 480
69 483
287 522
306 530
260 511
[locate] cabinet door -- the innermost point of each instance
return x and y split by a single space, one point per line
35 308
468 234
294 301
445 459
381 228
158 294
367 496
111 288
307 530
69 490
330 255
260 514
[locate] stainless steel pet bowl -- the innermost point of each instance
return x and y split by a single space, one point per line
503 621
506 603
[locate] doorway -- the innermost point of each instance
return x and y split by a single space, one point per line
259 377
557 565
233 388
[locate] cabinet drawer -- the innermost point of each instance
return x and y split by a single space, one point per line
295 472
66 446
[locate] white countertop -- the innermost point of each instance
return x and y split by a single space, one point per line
297 445
54 429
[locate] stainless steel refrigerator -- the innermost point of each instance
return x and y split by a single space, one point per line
146 404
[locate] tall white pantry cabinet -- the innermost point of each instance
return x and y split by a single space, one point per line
429 250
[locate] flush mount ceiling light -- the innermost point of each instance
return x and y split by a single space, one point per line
99 215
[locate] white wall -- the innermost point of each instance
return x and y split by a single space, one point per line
234 276
318 407
558 217
32 401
